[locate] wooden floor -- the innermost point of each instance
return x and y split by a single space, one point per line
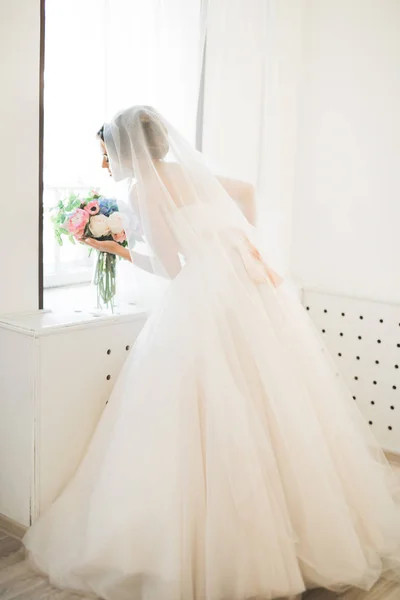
19 582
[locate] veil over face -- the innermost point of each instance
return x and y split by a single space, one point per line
183 209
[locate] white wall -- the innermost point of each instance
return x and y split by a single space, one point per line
19 153
346 205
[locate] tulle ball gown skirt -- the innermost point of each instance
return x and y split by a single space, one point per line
229 464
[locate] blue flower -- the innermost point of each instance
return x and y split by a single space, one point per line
108 206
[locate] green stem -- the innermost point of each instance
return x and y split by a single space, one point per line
105 279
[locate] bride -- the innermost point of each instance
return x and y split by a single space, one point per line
230 462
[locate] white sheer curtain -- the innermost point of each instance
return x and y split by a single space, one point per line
101 56
253 74
153 56
233 102
283 76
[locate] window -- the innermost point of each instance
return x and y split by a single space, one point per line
74 108
101 56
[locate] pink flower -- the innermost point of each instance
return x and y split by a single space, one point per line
77 223
119 237
92 207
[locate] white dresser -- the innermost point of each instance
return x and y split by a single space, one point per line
56 374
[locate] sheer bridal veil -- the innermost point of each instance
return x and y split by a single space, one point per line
183 210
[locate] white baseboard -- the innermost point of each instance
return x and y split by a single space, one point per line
12 527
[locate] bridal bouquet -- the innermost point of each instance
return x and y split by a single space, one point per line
96 217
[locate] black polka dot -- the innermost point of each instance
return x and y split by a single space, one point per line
127 348
339 354
377 362
372 402
390 428
359 337
361 317
357 357
341 334
392 408
395 387
375 382
108 377
323 331
109 351
379 341
356 378
370 422
380 320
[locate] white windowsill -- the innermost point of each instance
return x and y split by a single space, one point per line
78 298
70 297
75 277
82 298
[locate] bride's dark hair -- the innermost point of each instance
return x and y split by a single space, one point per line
154 131
100 133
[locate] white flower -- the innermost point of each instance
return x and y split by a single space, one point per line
116 222
99 226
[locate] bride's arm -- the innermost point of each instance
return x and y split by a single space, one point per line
244 194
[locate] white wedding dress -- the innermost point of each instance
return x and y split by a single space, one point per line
230 463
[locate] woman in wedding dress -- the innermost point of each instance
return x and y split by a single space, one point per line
231 462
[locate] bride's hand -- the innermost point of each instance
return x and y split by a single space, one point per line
275 279
105 246
108 246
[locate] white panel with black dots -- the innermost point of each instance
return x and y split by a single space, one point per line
364 340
